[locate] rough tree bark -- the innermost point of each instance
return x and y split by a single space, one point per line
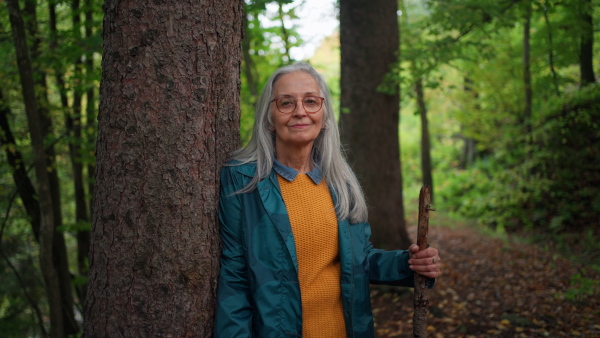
369 121
169 117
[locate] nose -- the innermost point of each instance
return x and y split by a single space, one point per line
299 111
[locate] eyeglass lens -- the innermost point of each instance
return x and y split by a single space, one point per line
311 104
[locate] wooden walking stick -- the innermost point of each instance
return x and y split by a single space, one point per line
421 301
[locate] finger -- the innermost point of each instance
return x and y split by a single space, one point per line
425 261
429 252
432 274
426 269
413 249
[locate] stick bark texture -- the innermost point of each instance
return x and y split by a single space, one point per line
421 301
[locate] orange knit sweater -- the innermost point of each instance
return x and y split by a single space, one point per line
314 224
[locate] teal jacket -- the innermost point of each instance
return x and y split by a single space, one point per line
258 293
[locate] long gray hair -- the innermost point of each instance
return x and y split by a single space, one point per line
326 152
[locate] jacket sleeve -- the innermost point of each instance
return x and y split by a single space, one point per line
234 306
388 267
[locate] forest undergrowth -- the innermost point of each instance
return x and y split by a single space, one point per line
497 286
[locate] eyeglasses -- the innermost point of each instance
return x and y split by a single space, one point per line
287 104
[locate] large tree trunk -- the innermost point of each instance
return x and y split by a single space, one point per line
369 121
36 131
586 52
169 117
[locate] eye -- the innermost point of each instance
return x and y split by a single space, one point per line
285 102
310 100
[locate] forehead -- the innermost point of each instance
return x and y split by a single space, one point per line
295 83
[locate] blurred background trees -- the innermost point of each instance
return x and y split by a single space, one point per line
499 111
369 120
515 80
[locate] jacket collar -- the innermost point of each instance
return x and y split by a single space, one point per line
290 174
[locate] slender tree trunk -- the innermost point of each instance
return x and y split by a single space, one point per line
369 42
73 122
59 74
249 66
284 33
426 169
83 236
59 248
169 117
28 195
24 185
527 110
586 51
551 51
469 151
51 277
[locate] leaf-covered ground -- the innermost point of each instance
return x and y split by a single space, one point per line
492 287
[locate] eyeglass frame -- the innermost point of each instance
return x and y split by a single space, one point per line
296 105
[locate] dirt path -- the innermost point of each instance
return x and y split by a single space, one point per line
492 288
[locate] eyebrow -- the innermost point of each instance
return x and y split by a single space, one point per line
307 93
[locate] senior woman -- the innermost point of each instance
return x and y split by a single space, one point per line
296 258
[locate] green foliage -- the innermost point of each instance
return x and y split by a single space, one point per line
57 54
326 61
581 287
470 55
551 183
20 278
267 44
75 227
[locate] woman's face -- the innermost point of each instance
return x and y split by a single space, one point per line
296 130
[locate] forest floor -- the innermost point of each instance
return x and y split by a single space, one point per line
496 287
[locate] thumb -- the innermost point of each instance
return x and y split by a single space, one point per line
413 249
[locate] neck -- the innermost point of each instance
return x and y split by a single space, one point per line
299 160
